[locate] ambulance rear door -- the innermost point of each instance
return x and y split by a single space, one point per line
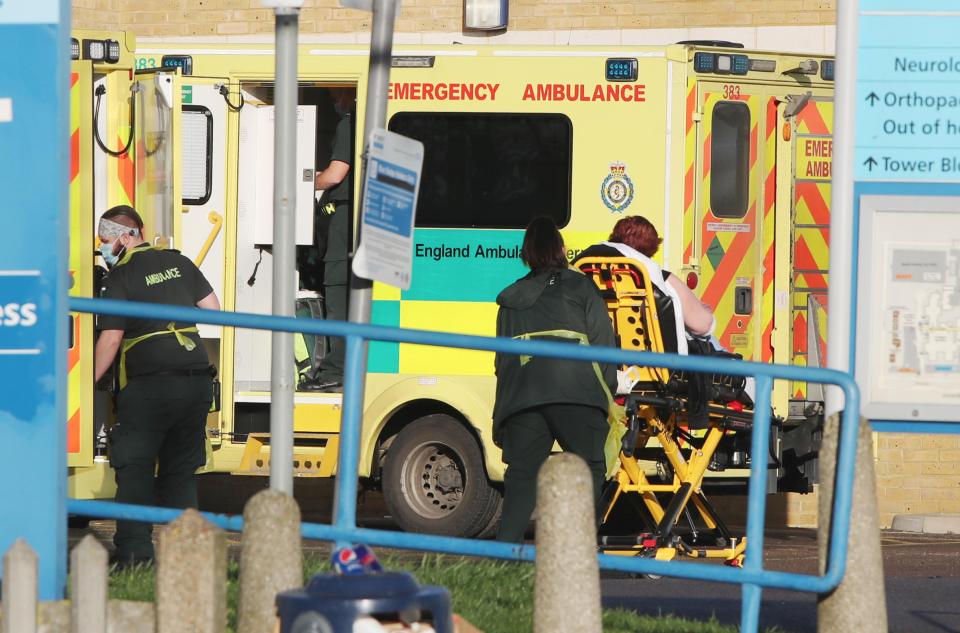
156 97
812 135
206 105
80 435
200 232
727 243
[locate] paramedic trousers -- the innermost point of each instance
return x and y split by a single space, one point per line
155 449
527 438
336 279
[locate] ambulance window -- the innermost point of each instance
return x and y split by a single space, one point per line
496 170
196 153
730 160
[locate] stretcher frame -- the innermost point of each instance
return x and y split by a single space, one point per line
656 423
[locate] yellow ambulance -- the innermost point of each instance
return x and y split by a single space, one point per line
727 151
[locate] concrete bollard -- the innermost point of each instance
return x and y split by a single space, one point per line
53 617
192 576
19 610
124 616
859 602
566 548
271 558
88 587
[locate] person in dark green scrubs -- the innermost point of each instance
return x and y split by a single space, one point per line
539 400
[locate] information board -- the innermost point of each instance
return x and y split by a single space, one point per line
907 168
390 192
909 337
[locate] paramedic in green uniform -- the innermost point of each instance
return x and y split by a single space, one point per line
157 443
336 182
538 399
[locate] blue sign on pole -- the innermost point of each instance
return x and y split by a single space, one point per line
34 162
907 203
389 207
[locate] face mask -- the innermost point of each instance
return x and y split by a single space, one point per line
106 251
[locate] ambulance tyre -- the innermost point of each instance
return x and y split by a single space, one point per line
434 480
494 523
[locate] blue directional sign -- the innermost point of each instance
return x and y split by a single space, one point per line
908 91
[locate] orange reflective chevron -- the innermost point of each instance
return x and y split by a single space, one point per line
690 148
769 203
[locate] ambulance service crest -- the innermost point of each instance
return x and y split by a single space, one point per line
617 188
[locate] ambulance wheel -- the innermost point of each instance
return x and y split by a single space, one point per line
434 481
494 524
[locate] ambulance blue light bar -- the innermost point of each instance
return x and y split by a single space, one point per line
827 69
721 63
621 69
183 62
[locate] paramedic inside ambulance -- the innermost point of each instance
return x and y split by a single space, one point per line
332 235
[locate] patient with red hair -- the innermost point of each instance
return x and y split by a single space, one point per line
639 234
636 238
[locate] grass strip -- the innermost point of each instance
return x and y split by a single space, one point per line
495 596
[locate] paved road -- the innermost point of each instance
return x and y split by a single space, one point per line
922 583
922 571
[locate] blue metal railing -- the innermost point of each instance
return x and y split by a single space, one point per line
752 576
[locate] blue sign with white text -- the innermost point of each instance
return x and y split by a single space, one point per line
34 177
19 294
908 91
389 199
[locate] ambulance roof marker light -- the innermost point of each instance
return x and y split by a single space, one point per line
74 48
94 50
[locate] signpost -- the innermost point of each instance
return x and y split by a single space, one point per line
907 203
34 159
390 188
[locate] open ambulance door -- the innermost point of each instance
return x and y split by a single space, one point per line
156 98
727 233
254 237
80 435
811 122
201 217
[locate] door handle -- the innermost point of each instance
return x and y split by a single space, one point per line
743 300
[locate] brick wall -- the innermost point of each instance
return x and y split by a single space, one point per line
245 17
96 14
917 474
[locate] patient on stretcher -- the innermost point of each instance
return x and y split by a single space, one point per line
686 323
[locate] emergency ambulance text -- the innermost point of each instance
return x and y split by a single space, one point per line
819 155
580 92
442 92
